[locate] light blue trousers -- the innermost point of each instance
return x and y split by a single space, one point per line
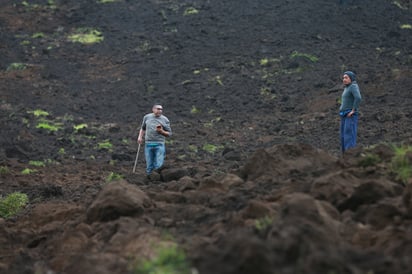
155 155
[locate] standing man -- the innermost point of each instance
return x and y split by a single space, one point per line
348 111
155 128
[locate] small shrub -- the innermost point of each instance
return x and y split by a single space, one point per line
113 177
12 204
263 223
4 170
401 165
169 260
369 160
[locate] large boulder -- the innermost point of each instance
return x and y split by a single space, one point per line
117 199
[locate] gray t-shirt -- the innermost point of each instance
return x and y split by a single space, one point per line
149 124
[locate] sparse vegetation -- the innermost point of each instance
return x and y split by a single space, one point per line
263 223
4 170
12 204
168 260
267 92
190 11
218 80
39 112
86 36
211 148
406 26
194 110
37 163
401 164
369 159
105 145
16 66
310 57
38 35
48 126
79 127
113 177
28 171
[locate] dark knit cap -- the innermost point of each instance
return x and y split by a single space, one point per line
351 75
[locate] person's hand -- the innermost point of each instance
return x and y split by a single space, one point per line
159 129
140 140
350 114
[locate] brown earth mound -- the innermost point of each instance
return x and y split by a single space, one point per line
253 181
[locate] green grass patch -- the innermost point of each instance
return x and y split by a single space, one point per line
12 204
37 163
16 66
38 112
86 36
168 260
48 126
28 171
211 148
310 57
105 145
79 127
401 165
406 26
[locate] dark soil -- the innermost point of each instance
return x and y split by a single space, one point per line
253 180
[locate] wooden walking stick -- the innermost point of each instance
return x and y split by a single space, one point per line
137 157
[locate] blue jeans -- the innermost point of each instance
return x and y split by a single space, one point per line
348 131
155 155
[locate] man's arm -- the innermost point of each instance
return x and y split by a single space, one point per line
160 130
140 138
